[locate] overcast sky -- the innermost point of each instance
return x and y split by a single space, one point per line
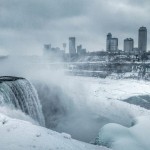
25 25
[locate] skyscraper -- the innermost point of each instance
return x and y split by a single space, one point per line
72 45
79 49
108 41
111 43
142 40
128 45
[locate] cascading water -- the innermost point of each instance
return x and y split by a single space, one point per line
20 93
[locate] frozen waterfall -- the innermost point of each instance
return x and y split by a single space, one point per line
20 93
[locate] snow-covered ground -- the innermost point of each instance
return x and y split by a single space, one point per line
92 103
118 89
21 135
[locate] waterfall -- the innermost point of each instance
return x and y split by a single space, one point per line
20 93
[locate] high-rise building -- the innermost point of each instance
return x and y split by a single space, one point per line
72 45
114 44
79 48
128 45
142 40
108 41
111 43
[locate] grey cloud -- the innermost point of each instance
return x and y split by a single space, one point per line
34 13
25 25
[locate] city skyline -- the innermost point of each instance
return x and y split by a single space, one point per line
112 44
26 25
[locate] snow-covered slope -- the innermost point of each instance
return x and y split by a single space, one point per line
21 135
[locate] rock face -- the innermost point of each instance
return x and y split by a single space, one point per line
19 93
9 78
141 100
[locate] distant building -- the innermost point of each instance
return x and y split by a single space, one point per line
80 50
111 43
64 46
136 50
108 41
47 47
83 51
72 45
52 51
128 45
142 40
114 44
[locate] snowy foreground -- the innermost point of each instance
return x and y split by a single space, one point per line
22 135
118 125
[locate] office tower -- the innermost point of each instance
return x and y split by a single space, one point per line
114 44
111 43
142 40
108 43
72 45
79 49
128 45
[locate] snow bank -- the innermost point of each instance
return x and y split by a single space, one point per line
22 135
119 137
16 114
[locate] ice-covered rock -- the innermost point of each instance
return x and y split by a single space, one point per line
65 135
119 137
